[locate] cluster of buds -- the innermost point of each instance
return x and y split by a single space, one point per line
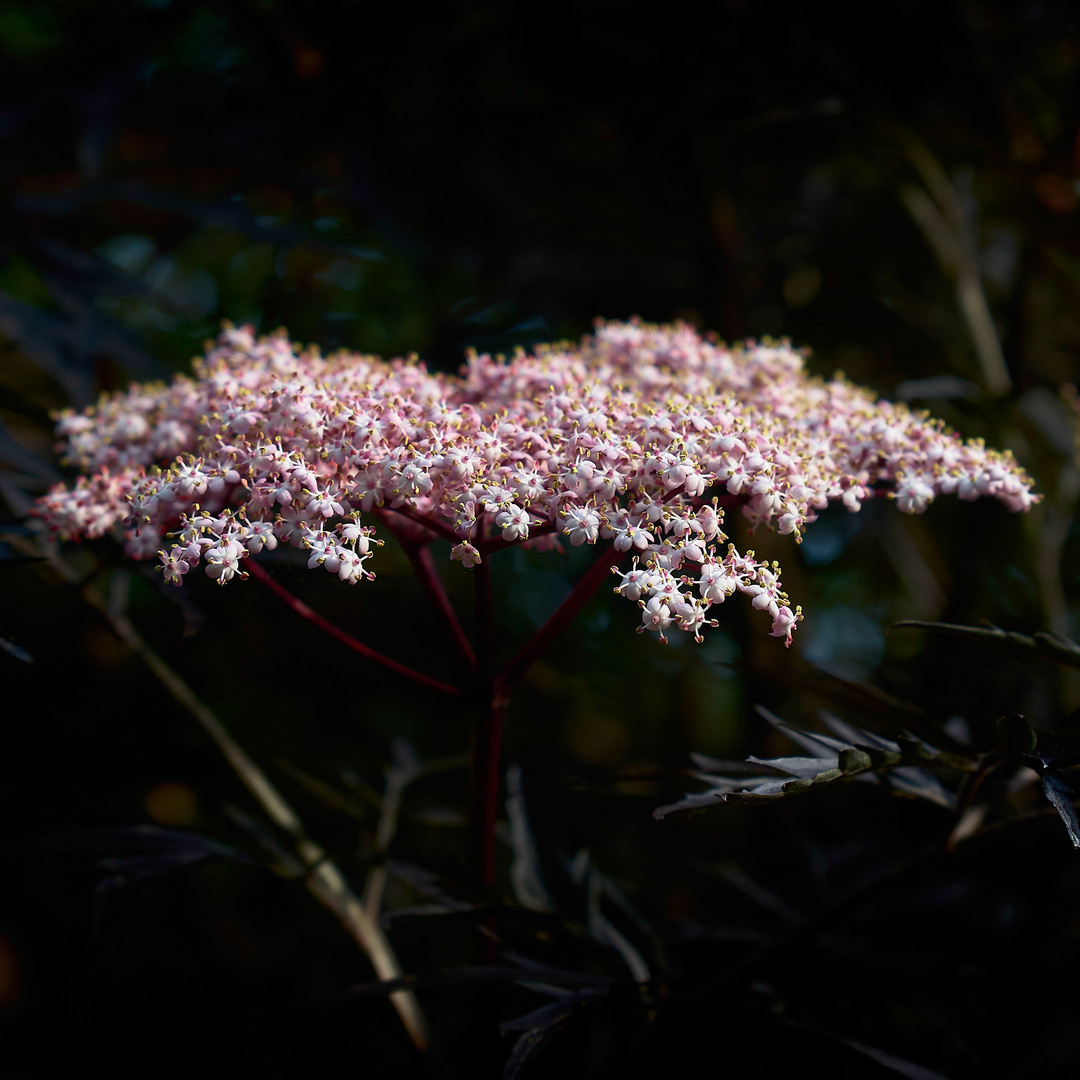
638 437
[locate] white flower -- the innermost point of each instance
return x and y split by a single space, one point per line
514 522
581 525
655 615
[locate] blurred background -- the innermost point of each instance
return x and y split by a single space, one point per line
897 190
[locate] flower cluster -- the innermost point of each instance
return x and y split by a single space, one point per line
638 437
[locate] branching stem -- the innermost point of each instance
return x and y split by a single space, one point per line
593 578
423 565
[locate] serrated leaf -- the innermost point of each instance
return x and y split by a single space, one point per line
147 851
909 779
1060 793
855 736
859 755
732 783
585 872
786 788
813 741
706 799
797 766
133 854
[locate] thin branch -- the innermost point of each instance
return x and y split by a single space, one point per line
423 564
497 543
436 527
1059 650
338 634
324 879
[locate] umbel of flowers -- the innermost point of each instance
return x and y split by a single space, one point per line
638 437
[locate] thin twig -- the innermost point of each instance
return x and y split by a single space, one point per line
436 527
324 879
423 565
1060 650
497 543
338 634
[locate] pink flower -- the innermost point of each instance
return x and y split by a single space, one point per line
716 583
466 554
617 440
173 566
784 622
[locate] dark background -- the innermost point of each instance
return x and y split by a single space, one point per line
425 178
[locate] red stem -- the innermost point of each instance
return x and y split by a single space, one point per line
594 577
493 693
424 565
435 527
337 634
497 543
484 769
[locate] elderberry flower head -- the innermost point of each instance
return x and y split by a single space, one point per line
640 437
